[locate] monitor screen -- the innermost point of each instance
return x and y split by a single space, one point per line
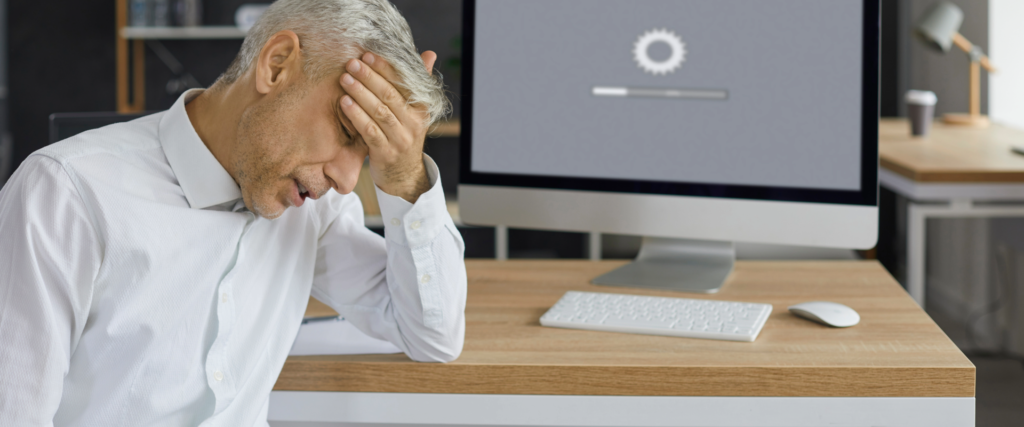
761 99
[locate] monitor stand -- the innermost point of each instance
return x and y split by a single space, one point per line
675 264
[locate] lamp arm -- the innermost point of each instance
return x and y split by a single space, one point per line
974 51
985 63
962 43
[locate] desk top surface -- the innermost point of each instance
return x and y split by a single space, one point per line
896 350
951 153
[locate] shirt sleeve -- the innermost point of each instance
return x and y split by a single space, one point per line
408 287
49 258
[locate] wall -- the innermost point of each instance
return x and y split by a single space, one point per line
61 58
889 98
1006 37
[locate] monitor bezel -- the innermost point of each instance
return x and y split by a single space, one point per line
867 195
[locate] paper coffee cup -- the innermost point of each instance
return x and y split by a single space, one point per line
920 110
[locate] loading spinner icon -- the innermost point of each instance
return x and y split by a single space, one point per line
669 65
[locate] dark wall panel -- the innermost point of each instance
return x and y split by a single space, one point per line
889 98
62 57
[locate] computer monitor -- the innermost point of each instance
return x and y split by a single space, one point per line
694 123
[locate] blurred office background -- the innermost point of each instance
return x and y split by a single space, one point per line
64 60
60 56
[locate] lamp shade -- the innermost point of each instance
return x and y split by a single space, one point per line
939 24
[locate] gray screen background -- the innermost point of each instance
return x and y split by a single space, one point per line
792 69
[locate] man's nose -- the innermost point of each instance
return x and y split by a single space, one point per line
345 172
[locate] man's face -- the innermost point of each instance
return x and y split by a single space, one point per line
296 144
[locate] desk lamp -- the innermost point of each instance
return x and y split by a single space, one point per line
940 30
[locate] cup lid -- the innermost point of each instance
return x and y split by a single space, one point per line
921 97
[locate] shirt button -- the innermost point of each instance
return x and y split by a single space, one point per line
425 278
224 297
218 375
395 222
414 225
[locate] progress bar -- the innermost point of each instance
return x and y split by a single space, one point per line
622 91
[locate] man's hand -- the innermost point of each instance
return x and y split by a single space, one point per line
393 130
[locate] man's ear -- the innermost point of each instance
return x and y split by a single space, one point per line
278 61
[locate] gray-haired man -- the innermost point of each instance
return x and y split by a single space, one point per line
155 272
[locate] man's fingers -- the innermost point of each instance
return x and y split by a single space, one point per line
369 89
382 67
384 120
366 126
429 58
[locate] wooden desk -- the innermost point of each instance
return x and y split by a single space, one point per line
956 171
951 153
896 351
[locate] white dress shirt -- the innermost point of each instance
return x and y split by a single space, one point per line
137 290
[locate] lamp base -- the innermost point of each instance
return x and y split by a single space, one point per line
966 119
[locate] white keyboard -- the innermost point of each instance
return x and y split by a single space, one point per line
679 317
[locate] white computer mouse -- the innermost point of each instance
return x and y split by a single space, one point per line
829 313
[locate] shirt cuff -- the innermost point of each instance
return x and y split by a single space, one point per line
415 224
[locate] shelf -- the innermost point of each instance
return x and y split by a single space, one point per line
182 33
448 128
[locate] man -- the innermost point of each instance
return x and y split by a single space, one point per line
156 272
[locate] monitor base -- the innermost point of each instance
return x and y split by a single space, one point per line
682 265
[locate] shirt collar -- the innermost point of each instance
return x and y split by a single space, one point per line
202 178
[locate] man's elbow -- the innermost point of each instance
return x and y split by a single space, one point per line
437 356
442 350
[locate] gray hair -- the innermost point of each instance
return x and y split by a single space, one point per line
333 31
